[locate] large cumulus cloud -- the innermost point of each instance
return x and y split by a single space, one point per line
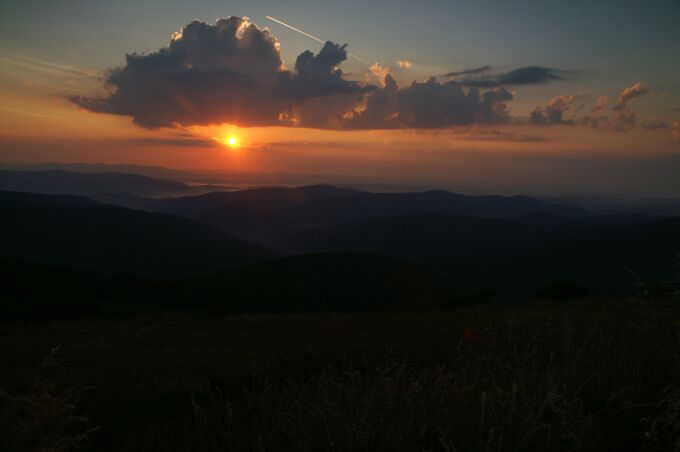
233 72
230 72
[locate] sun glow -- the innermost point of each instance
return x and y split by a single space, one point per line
231 141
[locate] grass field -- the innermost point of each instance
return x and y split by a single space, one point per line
591 375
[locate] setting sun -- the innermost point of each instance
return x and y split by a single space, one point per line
230 141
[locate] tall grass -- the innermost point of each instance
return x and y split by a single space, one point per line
548 387
569 377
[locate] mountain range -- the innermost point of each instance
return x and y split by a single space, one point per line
510 245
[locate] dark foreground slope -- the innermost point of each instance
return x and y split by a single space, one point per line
114 239
590 376
338 282
325 282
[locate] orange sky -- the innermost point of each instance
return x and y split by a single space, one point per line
39 124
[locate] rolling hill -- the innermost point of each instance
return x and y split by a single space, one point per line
114 239
270 214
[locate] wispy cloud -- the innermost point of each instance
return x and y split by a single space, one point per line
49 66
28 113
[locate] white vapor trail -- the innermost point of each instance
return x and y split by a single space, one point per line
314 38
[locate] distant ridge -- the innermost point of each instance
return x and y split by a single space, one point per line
68 182
269 214
68 231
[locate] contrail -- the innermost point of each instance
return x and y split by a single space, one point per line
314 38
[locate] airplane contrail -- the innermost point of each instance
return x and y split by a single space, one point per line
314 38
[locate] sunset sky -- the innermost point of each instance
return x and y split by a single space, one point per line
534 97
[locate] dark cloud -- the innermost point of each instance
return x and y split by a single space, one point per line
529 75
430 105
473 71
232 72
222 73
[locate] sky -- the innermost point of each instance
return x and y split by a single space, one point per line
534 97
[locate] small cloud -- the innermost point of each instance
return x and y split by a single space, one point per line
600 104
655 125
630 93
553 112
404 64
379 71
674 127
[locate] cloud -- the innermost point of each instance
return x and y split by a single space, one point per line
28 113
553 112
630 93
529 75
601 103
232 72
621 119
222 73
379 71
305 143
48 66
673 126
404 64
473 71
179 141
655 125
430 105
476 133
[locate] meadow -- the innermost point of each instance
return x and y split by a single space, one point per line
579 375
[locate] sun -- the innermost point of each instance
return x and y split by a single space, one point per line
231 141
